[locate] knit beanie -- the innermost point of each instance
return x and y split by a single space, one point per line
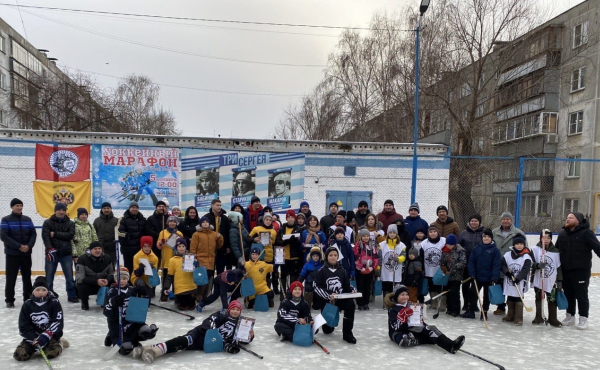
296 284
333 204
40 281
363 231
267 214
392 228
451 239
255 250
413 251
181 241
441 208
60 206
304 203
401 288
476 216
202 219
124 273
290 212
389 201
339 230
81 211
507 215
415 206
15 201
489 233
145 240
235 217
94 244
578 216
519 239
106 204
134 204
160 203
234 304
363 203
173 218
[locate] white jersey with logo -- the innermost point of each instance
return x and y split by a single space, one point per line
515 267
552 260
391 269
432 254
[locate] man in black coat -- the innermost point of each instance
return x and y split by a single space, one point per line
93 271
217 217
105 229
17 232
575 243
57 233
157 223
329 220
131 229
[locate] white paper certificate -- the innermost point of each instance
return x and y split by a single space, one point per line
416 319
319 321
243 329
265 239
172 240
288 236
279 256
147 267
188 263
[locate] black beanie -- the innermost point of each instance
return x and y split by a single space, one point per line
333 204
578 216
95 244
81 211
389 201
40 281
441 208
519 239
489 233
476 216
398 291
339 230
15 201
106 204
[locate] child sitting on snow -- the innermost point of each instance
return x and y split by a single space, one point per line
258 272
182 281
292 310
133 333
225 282
399 331
139 277
40 323
516 264
194 339
314 262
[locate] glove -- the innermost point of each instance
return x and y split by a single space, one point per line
196 264
541 265
404 314
378 268
517 281
508 274
140 271
401 259
42 339
292 238
241 261
51 255
559 285
119 300
232 348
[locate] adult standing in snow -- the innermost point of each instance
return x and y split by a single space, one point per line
388 215
361 213
93 271
218 219
503 237
156 223
131 229
84 234
575 244
469 238
444 223
254 210
329 220
105 229
188 225
414 221
18 235
305 209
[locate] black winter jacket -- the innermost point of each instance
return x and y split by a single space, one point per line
131 229
105 229
326 223
89 269
154 225
17 230
469 239
294 243
36 318
64 231
329 282
576 247
290 312
188 225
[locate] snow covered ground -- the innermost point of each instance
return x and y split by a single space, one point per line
526 347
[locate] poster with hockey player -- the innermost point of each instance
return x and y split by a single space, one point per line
122 174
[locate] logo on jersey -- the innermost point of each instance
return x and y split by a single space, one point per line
550 267
514 269
64 162
40 319
391 261
433 257
334 285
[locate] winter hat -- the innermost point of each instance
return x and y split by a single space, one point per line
578 216
489 233
231 276
267 214
451 239
124 273
15 201
392 228
160 203
202 219
40 282
255 250
413 251
313 251
304 203
60 206
166 201
289 213
234 304
235 217
176 208
296 284
333 204
145 240
476 216
339 230
81 211
173 218
389 201
301 215
341 213
433 227
421 230
254 199
441 208
507 215
95 244
350 216
134 204
363 231
331 249
106 204
519 239
181 241
545 232
415 205
364 203
401 288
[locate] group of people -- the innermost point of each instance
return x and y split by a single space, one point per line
306 261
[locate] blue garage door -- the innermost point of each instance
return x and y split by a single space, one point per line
347 200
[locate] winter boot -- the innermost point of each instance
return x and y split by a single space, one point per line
583 325
500 310
271 303
443 303
275 282
107 341
150 354
538 313
347 331
327 329
569 320
308 297
518 313
468 314
444 342
408 340
64 343
510 316
85 305
552 320
137 351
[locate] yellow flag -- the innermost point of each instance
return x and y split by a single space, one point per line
75 195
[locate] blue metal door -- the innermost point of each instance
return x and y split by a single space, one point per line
347 200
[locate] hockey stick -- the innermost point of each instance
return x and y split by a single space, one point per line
528 309
190 317
481 304
542 278
234 289
251 352
108 355
323 348
44 356
482 359
444 292
437 314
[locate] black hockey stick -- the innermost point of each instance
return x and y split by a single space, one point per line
190 317
482 359
251 352
443 293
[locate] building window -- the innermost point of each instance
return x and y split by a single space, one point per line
578 79
2 44
544 206
1 117
575 123
580 34
3 83
574 168
571 205
465 90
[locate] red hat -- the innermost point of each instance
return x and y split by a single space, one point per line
145 240
289 213
296 284
234 304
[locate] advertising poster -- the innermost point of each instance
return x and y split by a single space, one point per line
235 177
122 174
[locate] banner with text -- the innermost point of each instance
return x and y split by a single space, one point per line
122 174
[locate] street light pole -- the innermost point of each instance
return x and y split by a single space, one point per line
413 189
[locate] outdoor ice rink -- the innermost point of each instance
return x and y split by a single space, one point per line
526 347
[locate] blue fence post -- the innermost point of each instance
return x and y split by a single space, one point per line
519 192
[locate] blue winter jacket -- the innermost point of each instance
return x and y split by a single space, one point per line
309 271
485 263
348 261
413 224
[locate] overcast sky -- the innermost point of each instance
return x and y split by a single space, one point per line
74 38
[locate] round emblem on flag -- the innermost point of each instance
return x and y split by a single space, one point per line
64 162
